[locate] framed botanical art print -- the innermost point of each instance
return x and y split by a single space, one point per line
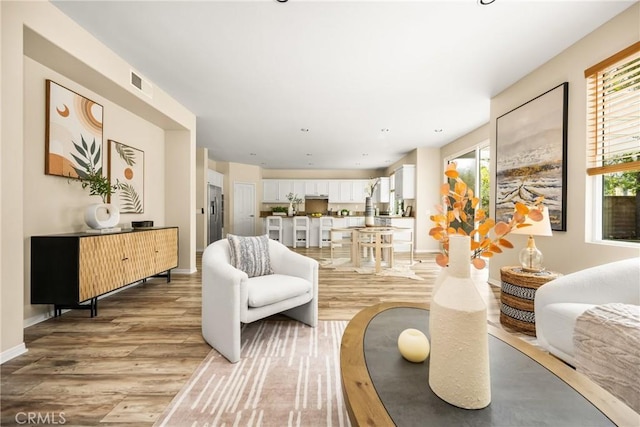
126 165
73 133
531 161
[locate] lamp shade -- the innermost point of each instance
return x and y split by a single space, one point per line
536 228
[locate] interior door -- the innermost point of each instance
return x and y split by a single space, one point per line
244 209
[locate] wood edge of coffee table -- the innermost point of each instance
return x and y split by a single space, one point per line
366 409
361 399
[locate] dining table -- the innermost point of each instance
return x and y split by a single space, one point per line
375 239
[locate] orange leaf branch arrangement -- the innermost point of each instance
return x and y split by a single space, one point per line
489 237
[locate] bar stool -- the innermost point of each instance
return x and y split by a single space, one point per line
301 225
326 224
274 223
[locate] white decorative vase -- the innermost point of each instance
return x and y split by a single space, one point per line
101 215
290 210
369 220
459 360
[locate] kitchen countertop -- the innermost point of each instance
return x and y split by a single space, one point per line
264 214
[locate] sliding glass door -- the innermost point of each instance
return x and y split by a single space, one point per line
473 167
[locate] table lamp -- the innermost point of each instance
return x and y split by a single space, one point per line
531 257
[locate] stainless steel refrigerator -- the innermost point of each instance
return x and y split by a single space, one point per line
216 209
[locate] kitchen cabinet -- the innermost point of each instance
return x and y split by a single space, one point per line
347 191
381 195
299 188
69 269
316 187
405 182
215 178
285 186
276 190
270 190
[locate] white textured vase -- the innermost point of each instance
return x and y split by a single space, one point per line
369 220
459 361
101 215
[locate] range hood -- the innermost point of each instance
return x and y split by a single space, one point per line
316 197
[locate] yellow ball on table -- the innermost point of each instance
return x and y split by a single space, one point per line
413 345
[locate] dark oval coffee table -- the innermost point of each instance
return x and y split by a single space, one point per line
528 386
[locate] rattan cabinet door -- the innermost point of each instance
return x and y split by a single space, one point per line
139 255
166 249
101 267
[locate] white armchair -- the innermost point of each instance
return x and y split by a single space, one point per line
230 297
559 303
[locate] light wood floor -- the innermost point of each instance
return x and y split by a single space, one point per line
126 365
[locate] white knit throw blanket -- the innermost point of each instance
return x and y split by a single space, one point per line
607 343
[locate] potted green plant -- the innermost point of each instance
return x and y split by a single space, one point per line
99 185
279 210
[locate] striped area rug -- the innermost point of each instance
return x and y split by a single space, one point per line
289 375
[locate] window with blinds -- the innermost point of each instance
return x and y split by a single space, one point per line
613 150
613 88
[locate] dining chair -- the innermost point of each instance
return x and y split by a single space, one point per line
379 240
403 236
341 238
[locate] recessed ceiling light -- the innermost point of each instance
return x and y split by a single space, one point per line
437 130
357 163
252 154
364 154
310 164
304 129
309 154
384 130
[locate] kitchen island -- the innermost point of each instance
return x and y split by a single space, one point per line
342 222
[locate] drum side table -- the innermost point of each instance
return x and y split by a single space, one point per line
517 294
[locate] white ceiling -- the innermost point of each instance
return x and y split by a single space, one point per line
258 72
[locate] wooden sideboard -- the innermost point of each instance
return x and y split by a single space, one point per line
70 269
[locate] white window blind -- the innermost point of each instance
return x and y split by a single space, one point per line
613 90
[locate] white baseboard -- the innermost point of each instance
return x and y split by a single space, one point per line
33 320
16 351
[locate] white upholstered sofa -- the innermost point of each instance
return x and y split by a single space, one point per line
559 303
230 297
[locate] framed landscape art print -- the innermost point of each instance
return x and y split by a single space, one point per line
126 165
531 161
73 133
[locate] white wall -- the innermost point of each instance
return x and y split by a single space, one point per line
44 34
427 197
202 189
568 251
55 204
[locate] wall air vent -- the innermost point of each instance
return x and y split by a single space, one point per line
141 84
